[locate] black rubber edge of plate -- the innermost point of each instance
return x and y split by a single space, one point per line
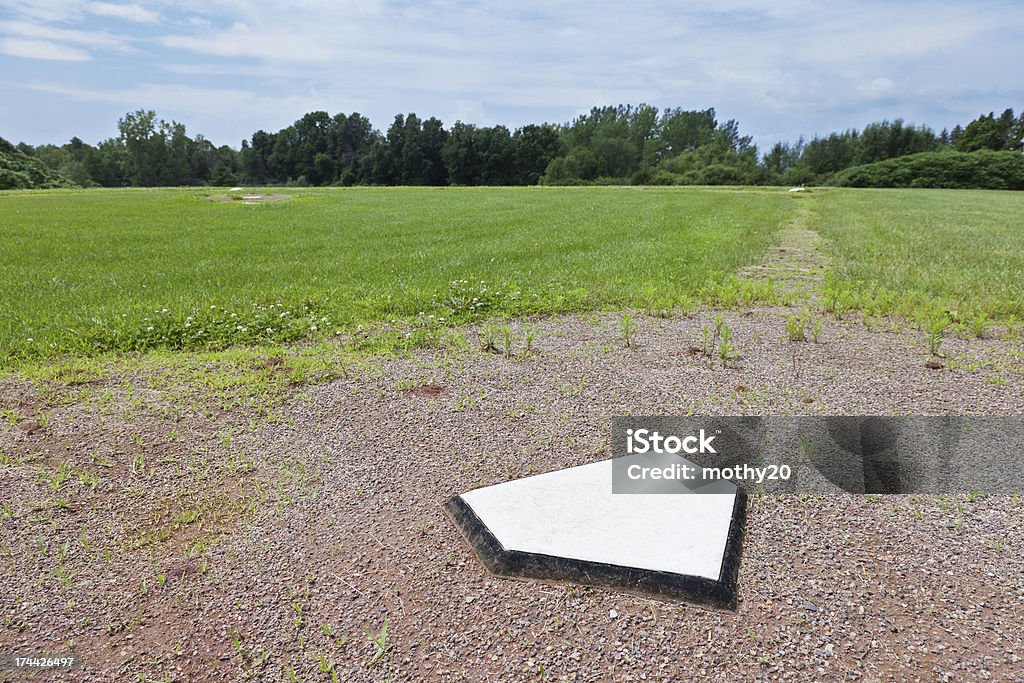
699 590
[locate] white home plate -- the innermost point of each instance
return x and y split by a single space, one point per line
568 526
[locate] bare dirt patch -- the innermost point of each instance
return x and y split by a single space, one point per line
253 198
798 262
426 390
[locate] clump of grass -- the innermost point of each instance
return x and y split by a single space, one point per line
489 338
707 345
529 337
627 326
817 327
796 327
734 292
467 301
719 322
686 306
660 306
717 341
727 352
934 325
803 327
979 325
209 328
382 649
506 335
502 339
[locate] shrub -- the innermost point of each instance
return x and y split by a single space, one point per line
18 171
983 169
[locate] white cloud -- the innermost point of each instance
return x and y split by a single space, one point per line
50 10
867 38
878 87
41 49
94 39
127 12
265 43
221 114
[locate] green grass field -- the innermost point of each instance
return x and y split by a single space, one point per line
97 270
916 252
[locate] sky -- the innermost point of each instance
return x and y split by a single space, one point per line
226 68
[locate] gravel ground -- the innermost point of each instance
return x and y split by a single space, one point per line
223 544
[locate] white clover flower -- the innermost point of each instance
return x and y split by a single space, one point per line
31 339
269 330
313 327
149 329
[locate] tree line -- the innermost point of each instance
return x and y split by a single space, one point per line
622 144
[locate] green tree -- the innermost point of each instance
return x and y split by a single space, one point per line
256 157
139 137
351 139
991 132
885 140
533 149
461 154
497 156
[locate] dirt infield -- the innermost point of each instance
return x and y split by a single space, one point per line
279 539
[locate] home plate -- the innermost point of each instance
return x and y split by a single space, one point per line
569 526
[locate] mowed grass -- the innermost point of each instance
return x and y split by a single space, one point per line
926 253
98 270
